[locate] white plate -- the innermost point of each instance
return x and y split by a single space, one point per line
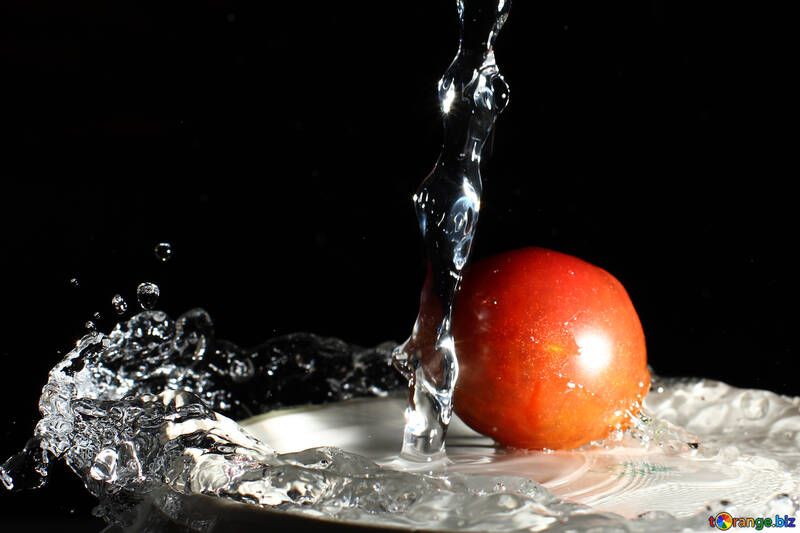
627 480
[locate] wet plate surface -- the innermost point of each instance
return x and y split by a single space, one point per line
626 478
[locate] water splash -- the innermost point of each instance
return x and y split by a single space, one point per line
111 406
472 94
146 413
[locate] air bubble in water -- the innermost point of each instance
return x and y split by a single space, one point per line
74 283
147 293
163 251
119 304
97 315
89 325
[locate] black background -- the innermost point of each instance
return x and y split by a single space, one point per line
276 146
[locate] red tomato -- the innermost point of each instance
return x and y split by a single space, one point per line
550 348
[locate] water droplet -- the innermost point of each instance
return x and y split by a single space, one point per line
97 315
147 293
163 251
119 304
74 283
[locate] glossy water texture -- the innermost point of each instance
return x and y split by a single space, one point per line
140 407
146 413
472 94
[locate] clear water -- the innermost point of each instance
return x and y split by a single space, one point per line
134 408
150 409
472 94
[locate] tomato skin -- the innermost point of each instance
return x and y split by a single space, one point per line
551 350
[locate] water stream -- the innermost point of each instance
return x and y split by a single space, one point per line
472 94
